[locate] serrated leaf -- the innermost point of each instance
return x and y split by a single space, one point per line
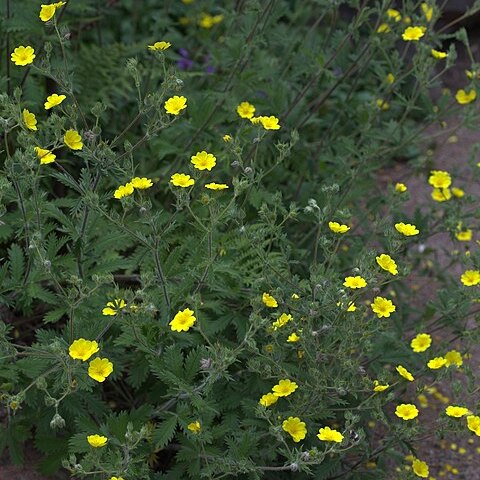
165 432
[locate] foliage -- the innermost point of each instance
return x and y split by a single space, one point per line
79 262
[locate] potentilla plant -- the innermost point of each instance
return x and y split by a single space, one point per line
201 275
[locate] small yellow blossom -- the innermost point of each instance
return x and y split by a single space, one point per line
458 192
378 387
268 399
295 427
181 180
463 98
464 235
457 412
123 191
453 358
269 301
141 183
227 138
394 14
159 46
282 321
473 424
420 469
22 56
436 363
270 123
100 368
421 342
45 156
53 101
338 228
194 427
216 186
384 28
387 263
293 338
203 160
470 278
82 349
284 388
382 104
406 229
438 54
441 194
427 11
390 78
208 21
326 434
29 120
246 110
354 282
413 33
73 140
439 179
114 307
404 373
383 307
183 320
97 441
406 411
48 11
400 187
175 105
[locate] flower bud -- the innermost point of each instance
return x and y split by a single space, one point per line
57 422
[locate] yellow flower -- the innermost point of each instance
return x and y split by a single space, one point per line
116 478
382 104
73 140
473 424
338 228
269 301
464 235
293 338
382 307
175 105
420 469
413 33
383 28
22 56
114 307
160 46
227 138
421 342
406 411
387 263
436 363
82 349
194 427
400 187
100 368
208 21
47 12
183 320
470 278
457 412
440 179
326 434
53 101
377 387
203 160
246 110
354 282
427 11
281 321
268 399
295 427
284 388
457 192
97 441
29 120
141 183
404 373
390 78
350 307
216 186
45 156
453 358
395 14
270 123
464 98
123 191
441 194
181 180
406 229
438 54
